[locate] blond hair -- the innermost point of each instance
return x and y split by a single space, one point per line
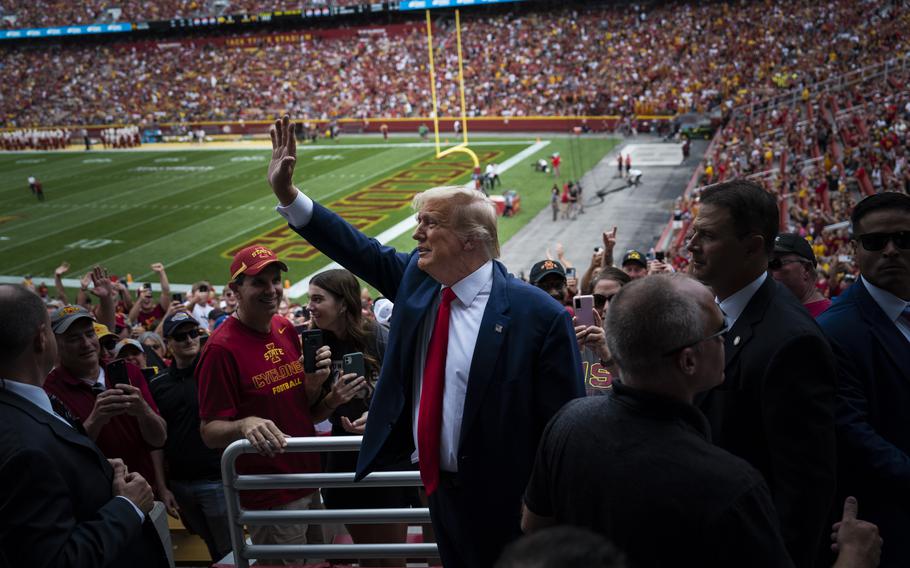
468 212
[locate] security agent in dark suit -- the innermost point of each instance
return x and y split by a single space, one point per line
63 504
775 408
869 328
510 361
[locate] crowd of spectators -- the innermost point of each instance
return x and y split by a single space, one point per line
601 59
819 156
45 14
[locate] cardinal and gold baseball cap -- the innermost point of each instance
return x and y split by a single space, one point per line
252 259
63 318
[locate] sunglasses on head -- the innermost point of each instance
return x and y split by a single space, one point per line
183 335
875 242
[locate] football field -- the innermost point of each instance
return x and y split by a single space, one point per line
191 207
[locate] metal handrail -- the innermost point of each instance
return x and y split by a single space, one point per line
238 517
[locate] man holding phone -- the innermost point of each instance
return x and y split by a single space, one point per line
113 403
146 311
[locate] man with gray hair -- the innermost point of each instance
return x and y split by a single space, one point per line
477 361
64 503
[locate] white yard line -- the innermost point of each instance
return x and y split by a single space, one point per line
301 287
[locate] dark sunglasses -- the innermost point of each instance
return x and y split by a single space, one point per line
181 337
722 334
875 242
777 263
600 300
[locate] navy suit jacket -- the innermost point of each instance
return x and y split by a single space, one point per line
775 409
526 365
57 508
873 420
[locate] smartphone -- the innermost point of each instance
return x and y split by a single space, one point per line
598 249
570 272
116 373
353 363
178 297
660 256
147 286
312 340
584 310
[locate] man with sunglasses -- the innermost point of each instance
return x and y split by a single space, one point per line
869 327
194 469
794 266
775 407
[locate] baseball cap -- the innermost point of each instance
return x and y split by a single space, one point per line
634 256
102 330
791 243
252 259
63 318
175 320
127 342
545 267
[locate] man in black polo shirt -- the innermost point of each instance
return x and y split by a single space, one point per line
637 465
194 468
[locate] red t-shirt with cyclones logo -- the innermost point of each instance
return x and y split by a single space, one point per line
243 372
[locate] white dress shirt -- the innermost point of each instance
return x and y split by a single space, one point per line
38 397
299 212
35 395
472 293
891 305
735 305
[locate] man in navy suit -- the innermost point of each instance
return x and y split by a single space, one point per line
869 328
63 503
775 408
471 401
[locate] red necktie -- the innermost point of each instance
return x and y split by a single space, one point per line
429 416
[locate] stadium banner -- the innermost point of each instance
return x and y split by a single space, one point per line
279 16
278 38
62 31
430 4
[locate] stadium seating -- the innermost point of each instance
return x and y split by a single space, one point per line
46 13
599 60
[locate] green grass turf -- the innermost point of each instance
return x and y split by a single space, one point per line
100 209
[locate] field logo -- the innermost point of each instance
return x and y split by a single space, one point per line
369 206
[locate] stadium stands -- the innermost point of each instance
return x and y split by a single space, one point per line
599 60
48 13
